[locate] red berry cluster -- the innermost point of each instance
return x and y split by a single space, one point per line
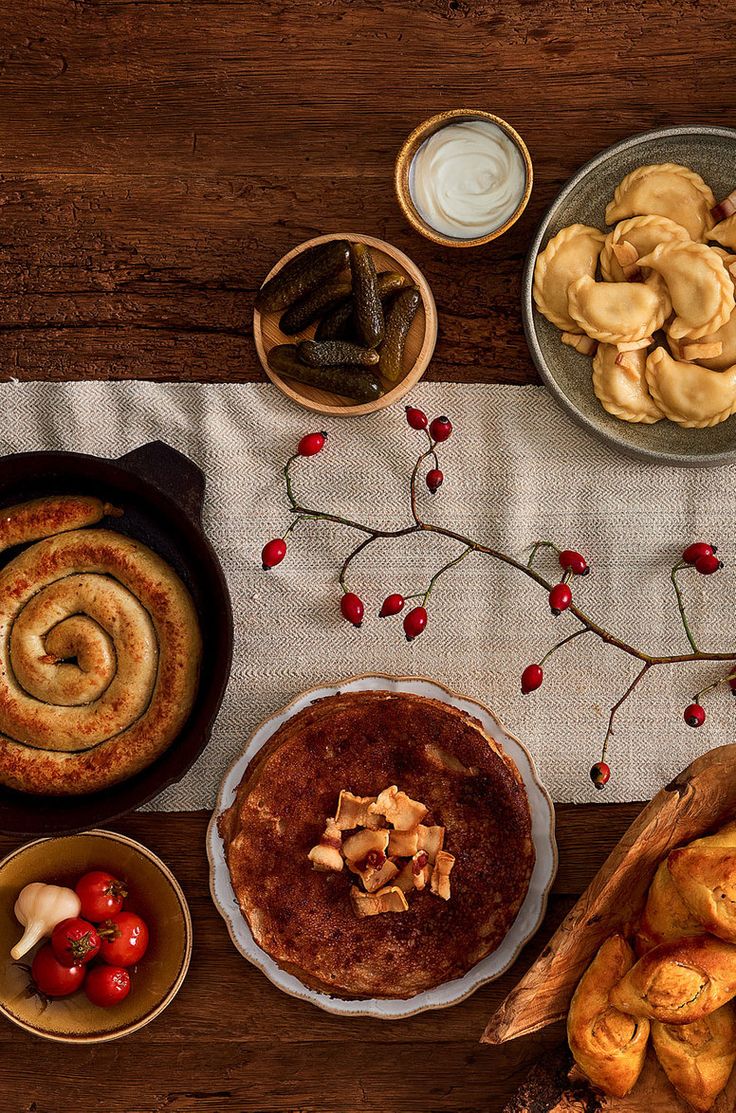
438 430
699 557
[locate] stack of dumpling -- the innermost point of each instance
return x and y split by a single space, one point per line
680 991
660 323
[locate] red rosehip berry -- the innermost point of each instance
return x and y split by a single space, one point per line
573 562
600 774
273 553
531 679
352 608
391 605
440 428
560 598
694 715
708 564
435 479
311 444
414 623
416 418
696 550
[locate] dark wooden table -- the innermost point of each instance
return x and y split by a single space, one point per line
156 157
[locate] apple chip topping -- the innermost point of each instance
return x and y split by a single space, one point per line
326 854
388 847
390 899
441 874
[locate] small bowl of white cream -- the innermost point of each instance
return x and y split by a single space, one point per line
463 177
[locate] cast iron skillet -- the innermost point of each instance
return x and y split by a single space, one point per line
161 493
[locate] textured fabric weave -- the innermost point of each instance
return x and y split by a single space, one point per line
516 469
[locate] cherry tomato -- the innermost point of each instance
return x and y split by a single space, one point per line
101 894
107 985
124 939
75 942
53 978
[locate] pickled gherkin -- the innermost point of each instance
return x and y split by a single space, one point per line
369 324
398 322
302 274
319 301
333 353
339 324
352 382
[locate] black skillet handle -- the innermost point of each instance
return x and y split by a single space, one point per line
171 471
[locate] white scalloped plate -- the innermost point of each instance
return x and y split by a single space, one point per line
525 925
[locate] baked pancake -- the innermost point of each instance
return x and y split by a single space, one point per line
360 743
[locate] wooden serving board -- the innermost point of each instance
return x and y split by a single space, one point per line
420 340
699 800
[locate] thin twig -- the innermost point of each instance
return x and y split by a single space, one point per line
681 604
639 676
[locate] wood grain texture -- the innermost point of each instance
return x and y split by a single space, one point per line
232 1043
158 156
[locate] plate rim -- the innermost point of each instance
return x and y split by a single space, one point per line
669 459
385 1008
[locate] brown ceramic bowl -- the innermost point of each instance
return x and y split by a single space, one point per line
406 157
153 892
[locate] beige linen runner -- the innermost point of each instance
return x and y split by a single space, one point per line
516 469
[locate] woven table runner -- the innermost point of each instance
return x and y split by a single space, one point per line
517 469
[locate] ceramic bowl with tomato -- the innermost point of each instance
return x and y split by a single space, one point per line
103 1007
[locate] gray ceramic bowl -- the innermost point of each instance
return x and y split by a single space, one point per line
712 152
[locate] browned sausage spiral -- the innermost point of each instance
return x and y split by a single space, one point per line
99 651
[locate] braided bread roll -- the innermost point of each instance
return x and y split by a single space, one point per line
704 876
679 983
666 918
609 1045
698 1058
99 652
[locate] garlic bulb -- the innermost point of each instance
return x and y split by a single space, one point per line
39 908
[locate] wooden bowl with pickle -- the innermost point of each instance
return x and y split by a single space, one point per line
345 324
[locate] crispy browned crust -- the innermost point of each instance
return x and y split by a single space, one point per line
364 741
32 762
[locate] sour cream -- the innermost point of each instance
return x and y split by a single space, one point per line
467 179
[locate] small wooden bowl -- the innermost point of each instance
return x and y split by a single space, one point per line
406 157
420 341
153 892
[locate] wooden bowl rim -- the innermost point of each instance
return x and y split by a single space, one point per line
405 157
156 1010
413 375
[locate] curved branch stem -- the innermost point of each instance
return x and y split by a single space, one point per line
681 605
639 676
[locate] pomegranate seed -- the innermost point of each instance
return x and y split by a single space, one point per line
374 859
273 553
708 564
311 444
531 679
560 598
352 609
391 605
440 429
696 550
416 418
573 562
600 774
435 479
694 715
414 623
419 862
